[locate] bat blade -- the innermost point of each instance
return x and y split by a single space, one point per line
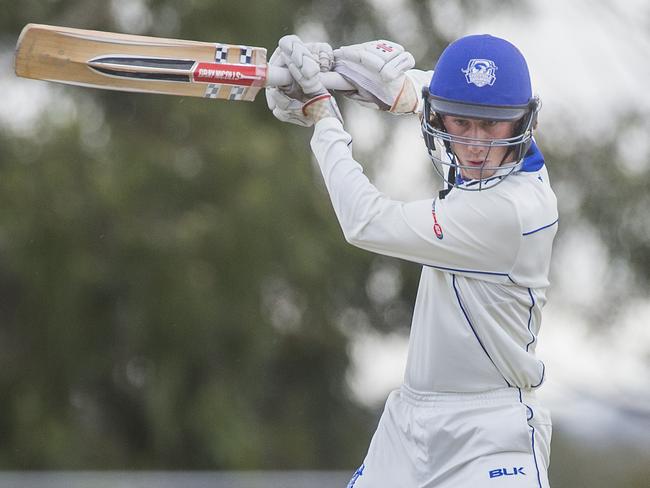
140 63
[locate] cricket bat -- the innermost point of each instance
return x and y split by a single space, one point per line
146 64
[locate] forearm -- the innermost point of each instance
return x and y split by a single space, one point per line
355 200
369 219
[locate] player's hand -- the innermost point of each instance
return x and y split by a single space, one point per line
321 52
306 100
378 70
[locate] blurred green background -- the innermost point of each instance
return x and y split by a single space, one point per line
175 292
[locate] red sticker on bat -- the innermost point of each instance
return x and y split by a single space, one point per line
229 74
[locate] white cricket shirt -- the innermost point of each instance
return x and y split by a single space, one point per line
485 267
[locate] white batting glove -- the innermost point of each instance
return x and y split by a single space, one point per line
306 100
286 102
321 52
380 72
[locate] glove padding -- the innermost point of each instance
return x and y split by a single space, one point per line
378 71
306 100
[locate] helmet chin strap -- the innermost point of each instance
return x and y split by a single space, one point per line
451 176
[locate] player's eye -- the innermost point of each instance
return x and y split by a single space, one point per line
461 122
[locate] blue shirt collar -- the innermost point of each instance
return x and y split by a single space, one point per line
534 160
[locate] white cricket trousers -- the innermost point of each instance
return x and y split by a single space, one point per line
495 439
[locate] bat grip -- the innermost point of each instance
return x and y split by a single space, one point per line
333 81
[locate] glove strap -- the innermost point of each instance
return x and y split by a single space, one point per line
407 101
320 107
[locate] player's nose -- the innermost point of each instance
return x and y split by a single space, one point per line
476 137
475 146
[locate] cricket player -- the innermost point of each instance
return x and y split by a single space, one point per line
466 414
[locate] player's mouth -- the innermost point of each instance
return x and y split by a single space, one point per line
476 163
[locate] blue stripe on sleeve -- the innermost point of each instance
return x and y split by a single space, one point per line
541 228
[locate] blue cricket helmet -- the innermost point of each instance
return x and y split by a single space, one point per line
481 76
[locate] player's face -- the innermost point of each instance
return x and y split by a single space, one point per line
479 160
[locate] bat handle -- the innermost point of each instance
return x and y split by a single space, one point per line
333 81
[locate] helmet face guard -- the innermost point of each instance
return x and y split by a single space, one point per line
486 78
439 142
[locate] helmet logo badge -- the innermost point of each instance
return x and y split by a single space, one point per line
480 72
